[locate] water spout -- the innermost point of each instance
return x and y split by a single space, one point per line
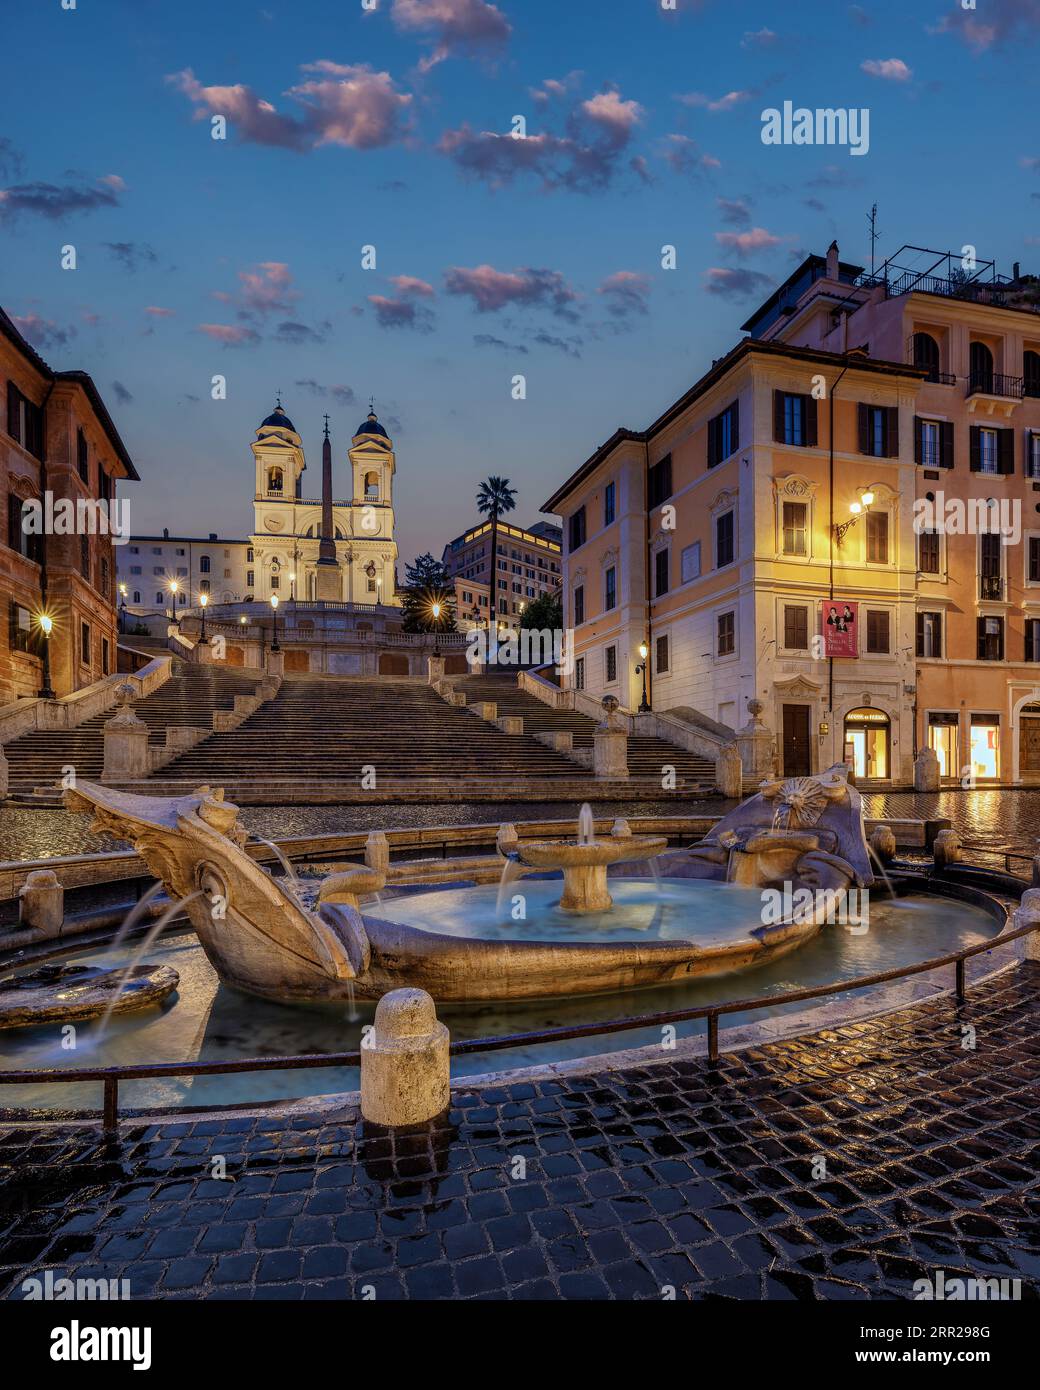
290 871
149 940
586 825
133 917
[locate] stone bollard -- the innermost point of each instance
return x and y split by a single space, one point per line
947 848
883 843
1027 912
620 828
377 851
41 902
275 663
404 1061
729 772
507 839
926 771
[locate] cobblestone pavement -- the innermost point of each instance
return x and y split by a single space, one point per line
991 817
676 1174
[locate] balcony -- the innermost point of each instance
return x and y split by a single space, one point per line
993 393
991 586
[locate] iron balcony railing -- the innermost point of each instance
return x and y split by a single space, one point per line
991 586
995 384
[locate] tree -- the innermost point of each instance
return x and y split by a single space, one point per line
494 498
428 586
546 611
426 573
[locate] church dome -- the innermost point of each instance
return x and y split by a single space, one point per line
372 426
278 420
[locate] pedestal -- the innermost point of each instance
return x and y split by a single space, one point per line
126 748
610 755
434 669
328 585
275 662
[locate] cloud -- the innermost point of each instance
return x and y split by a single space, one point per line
760 38
585 157
342 395
1004 20
723 103
131 255
230 335
491 289
891 69
402 312
456 26
11 162
735 284
489 340
294 333
122 395
158 312
267 289
747 243
352 106
625 292
570 346
56 201
412 285
735 211
684 156
42 333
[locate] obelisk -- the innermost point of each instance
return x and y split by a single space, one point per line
329 585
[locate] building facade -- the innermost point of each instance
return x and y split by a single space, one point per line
59 450
529 565
764 537
149 567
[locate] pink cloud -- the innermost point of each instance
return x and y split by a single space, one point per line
616 116
891 69
492 289
747 243
723 103
625 292
268 288
158 312
454 25
231 335
411 285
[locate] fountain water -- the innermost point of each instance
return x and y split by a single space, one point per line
155 931
134 916
286 865
586 825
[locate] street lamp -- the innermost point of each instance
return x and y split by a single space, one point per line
857 509
174 586
122 608
644 652
46 623
435 609
292 585
274 609
203 600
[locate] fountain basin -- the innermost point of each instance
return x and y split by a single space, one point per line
584 865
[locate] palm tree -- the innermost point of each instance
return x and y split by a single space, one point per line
494 498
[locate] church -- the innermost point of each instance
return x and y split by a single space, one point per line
309 548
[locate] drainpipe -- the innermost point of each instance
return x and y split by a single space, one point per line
830 531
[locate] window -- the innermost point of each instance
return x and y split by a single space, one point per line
1031 373
249 578
82 462
20 632
991 565
724 434
794 419
661 656
796 627
104 576
159 598
371 485
926 355
992 450
104 656
137 595
579 605
610 589
1033 570
928 552
1033 453
274 480
933 442
659 483
577 530
609 496
249 555
204 564
724 551
276 581
991 639
980 368
610 656
929 634
1032 639
877 630
661 572
579 673
725 643
877 538
84 643
691 562
24 421
879 430
204 586
22 542
794 518
135 569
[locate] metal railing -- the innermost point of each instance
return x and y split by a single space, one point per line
111 1077
995 384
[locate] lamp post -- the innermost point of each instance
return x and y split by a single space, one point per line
122 609
857 509
644 652
46 627
274 610
292 585
435 609
203 600
174 587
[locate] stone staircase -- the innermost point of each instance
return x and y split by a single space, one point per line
647 756
188 698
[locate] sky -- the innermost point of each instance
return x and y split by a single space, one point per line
389 125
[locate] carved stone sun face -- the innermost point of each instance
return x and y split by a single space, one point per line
802 801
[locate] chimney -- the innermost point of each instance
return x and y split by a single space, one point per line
1016 272
166 533
832 261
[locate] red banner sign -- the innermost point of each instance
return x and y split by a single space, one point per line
840 627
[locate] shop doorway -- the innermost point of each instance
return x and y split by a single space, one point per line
944 740
985 745
868 739
797 762
1029 741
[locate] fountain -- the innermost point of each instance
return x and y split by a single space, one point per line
584 862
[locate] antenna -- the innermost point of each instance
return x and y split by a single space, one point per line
874 234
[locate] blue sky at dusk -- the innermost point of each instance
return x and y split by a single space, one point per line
494 256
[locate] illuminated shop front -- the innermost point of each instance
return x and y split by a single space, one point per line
944 740
985 745
868 742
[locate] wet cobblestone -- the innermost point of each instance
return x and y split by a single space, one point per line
677 1174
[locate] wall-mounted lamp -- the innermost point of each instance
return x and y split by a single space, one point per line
857 509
